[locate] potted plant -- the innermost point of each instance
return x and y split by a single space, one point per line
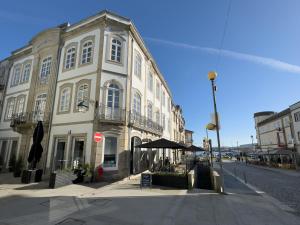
12 163
87 172
18 167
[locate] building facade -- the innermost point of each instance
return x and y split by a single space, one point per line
295 120
93 76
275 131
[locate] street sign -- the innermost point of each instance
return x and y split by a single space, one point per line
146 180
98 137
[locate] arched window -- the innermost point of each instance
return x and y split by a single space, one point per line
116 47
113 96
26 73
65 100
70 58
20 105
137 104
82 97
138 65
149 111
87 49
150 81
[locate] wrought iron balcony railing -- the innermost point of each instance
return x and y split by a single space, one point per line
27 118
111 114
145 123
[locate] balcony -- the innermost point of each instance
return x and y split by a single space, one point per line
28 120
143 123
111 115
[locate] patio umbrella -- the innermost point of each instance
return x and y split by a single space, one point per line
194 148
36 149
162 143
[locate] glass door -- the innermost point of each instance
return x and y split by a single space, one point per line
113 98
60 161
78 152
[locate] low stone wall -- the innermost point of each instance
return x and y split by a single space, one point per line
216 181
191 179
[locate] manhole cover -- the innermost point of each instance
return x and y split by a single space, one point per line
71 221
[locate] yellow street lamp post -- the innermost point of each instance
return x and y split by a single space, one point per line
212 76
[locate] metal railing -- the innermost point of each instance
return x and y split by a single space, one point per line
111 114
144 123
28 118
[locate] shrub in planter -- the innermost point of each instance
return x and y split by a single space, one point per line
12 163
18 167
175 180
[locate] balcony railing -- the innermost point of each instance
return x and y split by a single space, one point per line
111 114
144 123
28 118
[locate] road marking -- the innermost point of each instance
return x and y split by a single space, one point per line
269 198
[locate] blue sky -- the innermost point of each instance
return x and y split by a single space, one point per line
258 67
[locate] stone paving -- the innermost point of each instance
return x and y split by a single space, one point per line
283 185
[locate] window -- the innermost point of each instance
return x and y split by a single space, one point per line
10 108
26 73
150 81
64 104
137 104
163 98
82 97
16 76
86 56
20 105
110 152
157 90
40 105
116 47
157 117
45 70
163 121
297 116
149 111
113 96
138 65
70 58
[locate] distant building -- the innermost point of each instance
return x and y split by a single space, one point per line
188 137
295 120
275 131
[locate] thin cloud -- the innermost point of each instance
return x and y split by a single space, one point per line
269 62
22 18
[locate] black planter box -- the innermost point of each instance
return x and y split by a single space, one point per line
38 175
170 180
17 173
26 176
52 180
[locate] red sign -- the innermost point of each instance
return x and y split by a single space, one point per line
98 137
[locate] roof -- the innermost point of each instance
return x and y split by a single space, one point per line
263 113
275 116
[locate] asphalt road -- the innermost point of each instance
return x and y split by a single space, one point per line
282 185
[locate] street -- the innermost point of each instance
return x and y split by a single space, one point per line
281 184
124 203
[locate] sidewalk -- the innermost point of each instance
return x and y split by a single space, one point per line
124 203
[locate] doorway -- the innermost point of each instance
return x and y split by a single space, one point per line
60 161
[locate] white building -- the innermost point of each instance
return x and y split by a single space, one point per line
105 80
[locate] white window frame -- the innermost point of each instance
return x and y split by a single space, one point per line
65 99
16 76
20 105
87 52
137 104
150 111
45 69
116 50
157 89
150 82
138 65
84 96
26 73
70 57
10 107
163 98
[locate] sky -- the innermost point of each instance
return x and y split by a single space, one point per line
256 53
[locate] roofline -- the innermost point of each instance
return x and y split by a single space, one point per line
263 113
275 116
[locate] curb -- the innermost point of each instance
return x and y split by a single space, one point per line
269 198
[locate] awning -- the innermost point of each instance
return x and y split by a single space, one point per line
162 143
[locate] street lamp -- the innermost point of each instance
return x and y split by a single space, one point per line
212 76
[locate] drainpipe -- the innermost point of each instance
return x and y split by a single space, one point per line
52 107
